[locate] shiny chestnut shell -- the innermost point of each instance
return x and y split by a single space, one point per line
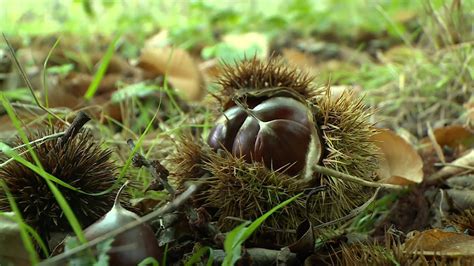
130 247
277 132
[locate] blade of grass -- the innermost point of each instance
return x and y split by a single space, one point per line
28 83
99 75
235 238
137 146
167 89
43 75
25 237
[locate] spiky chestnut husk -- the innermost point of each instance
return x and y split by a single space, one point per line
389 253
246 190
81 162
463 221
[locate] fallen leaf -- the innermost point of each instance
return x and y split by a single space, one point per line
399 163
12 250
160 39
305 235
469 106
462 164
437 242
70 91
210 69
453 136
179 68
461 182
461 199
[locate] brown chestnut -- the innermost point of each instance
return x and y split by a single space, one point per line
130 247
277 131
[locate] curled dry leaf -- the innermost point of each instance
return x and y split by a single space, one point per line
437 242
453 136
179 68
305 236
400 164
70 91
211 69
458 166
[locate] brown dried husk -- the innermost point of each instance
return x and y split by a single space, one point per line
391 252
235 190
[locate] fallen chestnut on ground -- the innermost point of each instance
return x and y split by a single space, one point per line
277 131
272 128
130 247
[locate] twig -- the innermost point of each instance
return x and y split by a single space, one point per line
466 167
35 107
336 174
27 81
170 207
157 170
195 218
40 141
351 214
79 121
262 256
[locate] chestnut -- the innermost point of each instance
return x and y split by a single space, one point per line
277 131
130 247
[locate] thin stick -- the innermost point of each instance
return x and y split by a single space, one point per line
40 141
352 214
455 165
170 207
43 139
140 161
194 218
336 174
79 121
27 81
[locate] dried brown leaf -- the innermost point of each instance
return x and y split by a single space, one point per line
462 164
399 163
437 242
179 68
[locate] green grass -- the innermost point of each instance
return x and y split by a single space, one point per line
99 75
235 238
194 23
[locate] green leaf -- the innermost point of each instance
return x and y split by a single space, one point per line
196 257
60 70
233 244
149 261
138 90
